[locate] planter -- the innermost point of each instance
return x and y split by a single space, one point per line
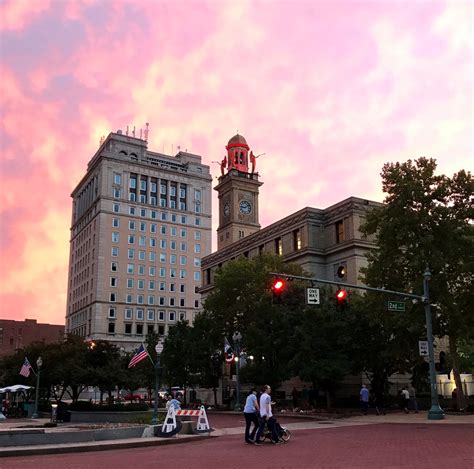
108 416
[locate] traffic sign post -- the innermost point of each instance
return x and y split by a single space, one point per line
397 306
312 296
423 348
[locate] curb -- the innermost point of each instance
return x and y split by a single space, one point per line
97 446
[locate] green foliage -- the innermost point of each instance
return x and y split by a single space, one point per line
242 301
426 220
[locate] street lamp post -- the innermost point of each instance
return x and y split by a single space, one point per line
435 413
158 349
236 338
39 364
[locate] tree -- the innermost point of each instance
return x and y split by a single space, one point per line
242 301
323 352
427 220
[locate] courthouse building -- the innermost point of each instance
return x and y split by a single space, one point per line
141 222
320 240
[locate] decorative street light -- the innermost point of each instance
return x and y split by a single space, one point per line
39 364
435 413
237 338
158 349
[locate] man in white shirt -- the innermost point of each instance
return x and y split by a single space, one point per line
266 416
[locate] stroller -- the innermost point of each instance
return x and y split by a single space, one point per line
284 434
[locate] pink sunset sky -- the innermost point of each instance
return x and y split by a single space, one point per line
329 90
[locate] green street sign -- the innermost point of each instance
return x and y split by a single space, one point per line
397 306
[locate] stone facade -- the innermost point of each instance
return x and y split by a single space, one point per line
141 222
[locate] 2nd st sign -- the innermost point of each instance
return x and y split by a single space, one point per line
397 306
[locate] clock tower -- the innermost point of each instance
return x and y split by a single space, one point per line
238 193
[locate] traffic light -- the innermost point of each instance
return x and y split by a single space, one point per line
341 298
278 286
341 271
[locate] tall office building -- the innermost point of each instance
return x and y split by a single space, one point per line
141 222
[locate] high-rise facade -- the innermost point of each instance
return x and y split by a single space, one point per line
141 222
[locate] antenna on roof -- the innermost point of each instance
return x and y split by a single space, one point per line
133 133
127 131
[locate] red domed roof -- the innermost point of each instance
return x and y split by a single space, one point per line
237 139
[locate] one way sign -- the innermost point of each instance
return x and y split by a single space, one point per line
312 296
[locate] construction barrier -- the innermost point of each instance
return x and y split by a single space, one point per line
171 426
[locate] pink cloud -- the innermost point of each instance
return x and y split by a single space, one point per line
329 90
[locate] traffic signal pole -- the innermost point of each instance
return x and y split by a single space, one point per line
435 413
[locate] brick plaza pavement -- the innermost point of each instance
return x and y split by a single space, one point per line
394 441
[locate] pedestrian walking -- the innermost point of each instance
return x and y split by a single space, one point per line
251 411
266 416
405 398
413 401
364 399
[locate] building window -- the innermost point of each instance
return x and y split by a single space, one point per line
173 245
182 287
128 328
152 256
141 269
162 257
340 231
115 251
143 226
162 286
140 299
151 285
296 240
128 298
112 297
141 255
197 276
182 274
112 313
152 271
150 315
151 299
182 316
131 253
139 329
182 302
197 222
116 193
197 248
128 313
141 284
172 316
131 224
172 258
115 222
150 329
130 268
153 242
161 300
131 210
113 281
111 329
114 266
161 315
172 301
163 230
131 239
142 241
173 231
278 246
197 235
116 208
139 315
196 303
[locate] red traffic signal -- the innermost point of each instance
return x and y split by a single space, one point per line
341 295
278 285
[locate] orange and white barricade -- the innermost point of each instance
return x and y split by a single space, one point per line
171 426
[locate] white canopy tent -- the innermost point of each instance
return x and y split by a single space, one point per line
15 388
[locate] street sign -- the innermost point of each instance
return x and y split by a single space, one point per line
312 296
423 347
397 306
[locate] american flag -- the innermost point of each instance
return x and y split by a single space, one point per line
25 368
229 356
140 355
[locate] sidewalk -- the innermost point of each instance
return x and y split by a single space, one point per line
301 424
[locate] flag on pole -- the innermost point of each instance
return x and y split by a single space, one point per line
140 355
25 368
229 356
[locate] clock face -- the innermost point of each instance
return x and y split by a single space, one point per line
245 207
226 210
